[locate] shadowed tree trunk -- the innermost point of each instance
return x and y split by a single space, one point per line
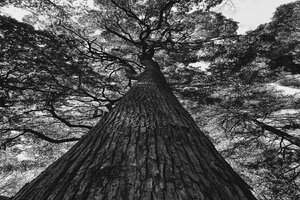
4 197
147 147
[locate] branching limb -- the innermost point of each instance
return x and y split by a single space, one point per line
37 134
163 18
237 116
9 140
129 13
292 139
122 36
66 122
48 139
51 110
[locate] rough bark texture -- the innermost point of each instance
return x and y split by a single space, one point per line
147 147
4 197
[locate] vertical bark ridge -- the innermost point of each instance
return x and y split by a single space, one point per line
147 147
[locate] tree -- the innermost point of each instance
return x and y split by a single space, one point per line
261 142
62 98
96 81
254 115
147 145
89 91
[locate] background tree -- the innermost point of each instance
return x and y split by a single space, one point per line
249 71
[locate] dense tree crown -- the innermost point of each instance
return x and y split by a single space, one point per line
72 66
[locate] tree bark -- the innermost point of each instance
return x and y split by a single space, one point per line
4 197
147 147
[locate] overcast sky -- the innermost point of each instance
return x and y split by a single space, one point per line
251 13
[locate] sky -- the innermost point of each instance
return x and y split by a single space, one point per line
249 13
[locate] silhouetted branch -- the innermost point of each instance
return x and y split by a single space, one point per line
9 140
161 13
37 134
48 139
292 139
129 13
61 119
122 36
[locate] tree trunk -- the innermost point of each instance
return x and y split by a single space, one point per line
4 197
147 147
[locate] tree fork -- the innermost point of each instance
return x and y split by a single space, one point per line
146 147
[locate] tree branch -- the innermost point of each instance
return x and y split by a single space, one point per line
8 140
130 13
122 36
48 139
66 122
161 13
39 135
292 139
51 109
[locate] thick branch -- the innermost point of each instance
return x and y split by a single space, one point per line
39 135
292 139
146 33
48 139
161 13
131 74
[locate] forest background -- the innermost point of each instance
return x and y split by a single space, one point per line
61 71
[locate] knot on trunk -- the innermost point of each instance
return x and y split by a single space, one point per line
152 74
147 53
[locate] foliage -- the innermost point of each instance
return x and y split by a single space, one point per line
57 82
291 81
47 83
64 77
259 122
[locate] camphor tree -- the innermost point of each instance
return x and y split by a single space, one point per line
147 146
